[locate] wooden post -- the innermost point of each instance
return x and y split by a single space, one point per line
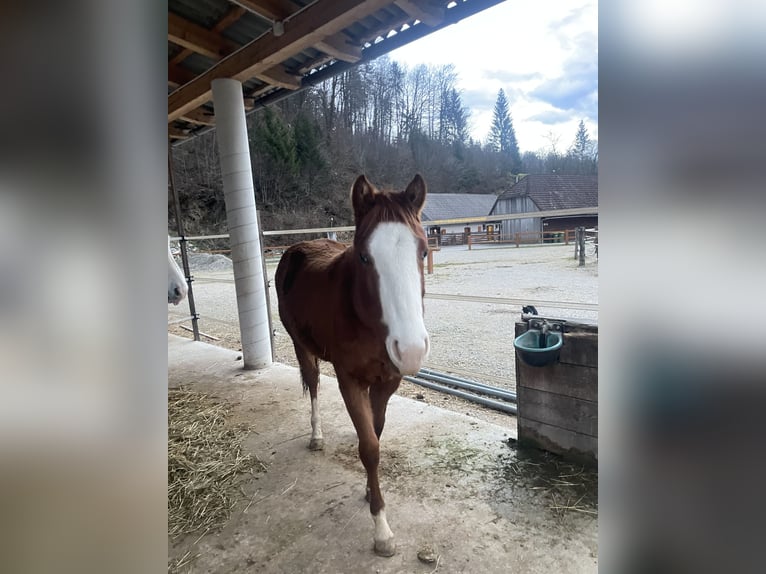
577 240
517 237
469 243
581 243
566 237
430 261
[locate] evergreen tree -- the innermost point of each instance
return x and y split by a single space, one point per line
275 139
582 144
307 143
502 136
308 153
453 119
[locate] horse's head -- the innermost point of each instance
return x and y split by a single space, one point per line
389 249
176 283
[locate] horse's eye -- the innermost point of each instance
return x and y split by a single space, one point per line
364 259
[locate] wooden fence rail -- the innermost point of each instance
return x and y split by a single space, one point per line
521 237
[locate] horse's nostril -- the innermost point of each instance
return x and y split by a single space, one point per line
177 291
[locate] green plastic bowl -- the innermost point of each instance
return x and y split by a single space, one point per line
529 349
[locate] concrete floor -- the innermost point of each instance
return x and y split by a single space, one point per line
444 477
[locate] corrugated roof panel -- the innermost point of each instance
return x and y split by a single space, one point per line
173 49
247 28
198 63
205 13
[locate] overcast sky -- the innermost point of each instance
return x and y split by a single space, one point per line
543 53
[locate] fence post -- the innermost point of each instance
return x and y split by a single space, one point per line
517 237
566 237
469 243
430 261
577 240
581 243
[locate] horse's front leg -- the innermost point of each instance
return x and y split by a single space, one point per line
380 393
359 409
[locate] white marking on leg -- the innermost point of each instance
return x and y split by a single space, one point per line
316 420
394 250
384 538
317 440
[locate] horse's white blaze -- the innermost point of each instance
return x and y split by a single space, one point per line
383 535
395 254
316 420
176 283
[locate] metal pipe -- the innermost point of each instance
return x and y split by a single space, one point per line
184 255
457 378
239 197
497 405
478 388
490 390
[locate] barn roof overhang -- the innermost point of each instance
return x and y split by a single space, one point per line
279 47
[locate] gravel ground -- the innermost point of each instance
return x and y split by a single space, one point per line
467 338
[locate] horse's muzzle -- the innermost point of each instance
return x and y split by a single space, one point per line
408 357
177 294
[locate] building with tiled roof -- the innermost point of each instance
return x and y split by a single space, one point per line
546 192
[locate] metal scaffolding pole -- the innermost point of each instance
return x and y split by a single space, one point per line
184 256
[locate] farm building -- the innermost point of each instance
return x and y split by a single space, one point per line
545 192
453 206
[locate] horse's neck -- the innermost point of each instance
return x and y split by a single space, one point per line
348 270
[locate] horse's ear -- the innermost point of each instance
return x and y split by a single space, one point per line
362 197
416 193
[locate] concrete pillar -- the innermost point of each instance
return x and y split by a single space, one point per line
239 195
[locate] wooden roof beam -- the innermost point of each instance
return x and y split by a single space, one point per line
178 75
175 133
277 76
231 16
340 49
313 25
428 13
315 63
198 39
199 116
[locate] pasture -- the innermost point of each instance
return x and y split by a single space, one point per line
454 484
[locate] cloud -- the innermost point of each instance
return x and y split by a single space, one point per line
479 98
551 117
573 90
573 18
508 77
576 88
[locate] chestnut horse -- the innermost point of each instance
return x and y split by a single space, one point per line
361 308
176 283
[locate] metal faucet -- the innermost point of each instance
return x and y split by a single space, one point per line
543 338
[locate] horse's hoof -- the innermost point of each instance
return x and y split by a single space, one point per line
386 548
316 444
